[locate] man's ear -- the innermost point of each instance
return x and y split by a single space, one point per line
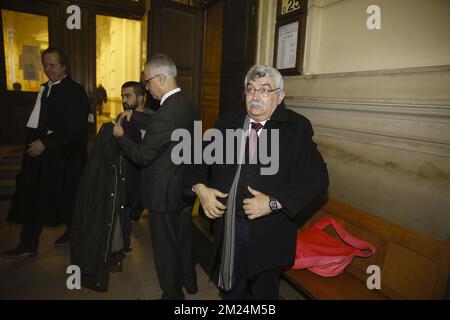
281 97
162 78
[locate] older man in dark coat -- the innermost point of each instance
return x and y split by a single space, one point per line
54 158
255 203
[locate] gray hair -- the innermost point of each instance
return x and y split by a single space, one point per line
160 63
259 71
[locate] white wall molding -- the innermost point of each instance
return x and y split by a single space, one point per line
394 71
435 149
417 128
414 109
426 86
322 3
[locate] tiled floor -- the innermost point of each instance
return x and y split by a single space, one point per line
44 276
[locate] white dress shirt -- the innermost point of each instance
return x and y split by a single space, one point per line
168 94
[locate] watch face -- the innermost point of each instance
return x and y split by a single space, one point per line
273 204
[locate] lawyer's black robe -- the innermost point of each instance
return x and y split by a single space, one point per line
47 184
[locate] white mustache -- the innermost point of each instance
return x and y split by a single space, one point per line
257 104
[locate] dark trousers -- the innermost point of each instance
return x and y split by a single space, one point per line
130 213
172 240
29 235
264 286
127 212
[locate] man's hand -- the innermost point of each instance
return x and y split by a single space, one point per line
35 148
258 206
117 130
208 198
126 114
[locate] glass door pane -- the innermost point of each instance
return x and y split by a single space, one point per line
118 59
25 36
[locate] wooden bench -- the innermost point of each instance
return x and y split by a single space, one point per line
412 266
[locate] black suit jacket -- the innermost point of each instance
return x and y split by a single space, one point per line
162 180
302 175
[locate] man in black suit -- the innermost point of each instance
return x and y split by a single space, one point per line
162 180
257 213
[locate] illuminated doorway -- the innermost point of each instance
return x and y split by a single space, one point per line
25 36
120 54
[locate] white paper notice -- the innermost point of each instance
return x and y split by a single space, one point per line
287 46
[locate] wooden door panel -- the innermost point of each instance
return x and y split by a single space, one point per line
176 31
238 50
212 59
179 41
186 83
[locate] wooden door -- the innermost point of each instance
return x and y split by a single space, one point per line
176 30
212 60
238 50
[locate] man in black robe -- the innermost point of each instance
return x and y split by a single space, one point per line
54 157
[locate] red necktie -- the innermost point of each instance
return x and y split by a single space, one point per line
253 140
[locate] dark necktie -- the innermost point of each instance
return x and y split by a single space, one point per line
253 140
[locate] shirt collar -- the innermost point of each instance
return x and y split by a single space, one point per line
168 94
262 122
51 83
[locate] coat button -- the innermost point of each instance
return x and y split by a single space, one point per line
121 207
112 194
109 224
123 179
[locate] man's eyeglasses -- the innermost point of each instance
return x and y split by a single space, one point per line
147 81
264 92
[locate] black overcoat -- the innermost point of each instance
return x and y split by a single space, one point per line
96 233
46 185
302 175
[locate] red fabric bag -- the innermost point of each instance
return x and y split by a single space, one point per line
322 254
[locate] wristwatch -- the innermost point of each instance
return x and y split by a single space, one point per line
273 203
